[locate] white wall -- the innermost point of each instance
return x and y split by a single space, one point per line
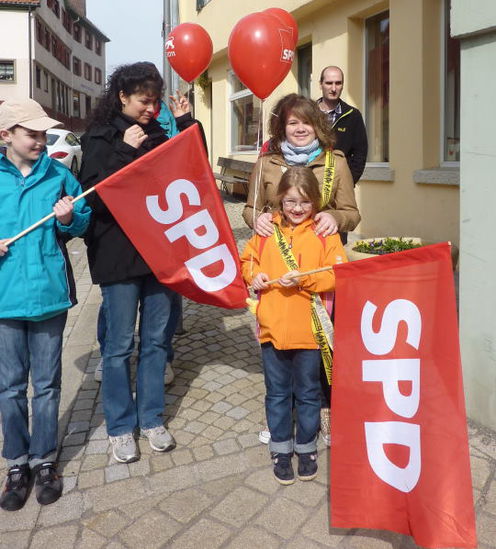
14 45
477 201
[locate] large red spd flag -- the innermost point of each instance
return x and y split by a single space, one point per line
399 454
168 205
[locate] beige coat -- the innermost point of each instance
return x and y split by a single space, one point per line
342 205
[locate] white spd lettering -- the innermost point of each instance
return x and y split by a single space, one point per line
200 231
287 55
390 372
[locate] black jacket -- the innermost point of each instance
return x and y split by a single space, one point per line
351 138
111 255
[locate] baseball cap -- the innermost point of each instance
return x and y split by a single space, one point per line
26 113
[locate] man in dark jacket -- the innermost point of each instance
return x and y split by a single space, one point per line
346 120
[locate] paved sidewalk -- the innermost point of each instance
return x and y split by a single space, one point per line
216 488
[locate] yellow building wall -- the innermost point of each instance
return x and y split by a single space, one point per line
335 28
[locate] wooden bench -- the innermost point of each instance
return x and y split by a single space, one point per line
241 169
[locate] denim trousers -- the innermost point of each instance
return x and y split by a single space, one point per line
287 373
175 313
30 347
120 304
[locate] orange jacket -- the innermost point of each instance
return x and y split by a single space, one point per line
284 314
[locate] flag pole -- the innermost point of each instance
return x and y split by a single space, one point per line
46 218
313 271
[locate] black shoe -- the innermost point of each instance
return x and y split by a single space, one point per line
283 468
307 466
15 492
48 484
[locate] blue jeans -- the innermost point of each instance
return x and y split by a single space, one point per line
120 303
176 310
36 347
287 373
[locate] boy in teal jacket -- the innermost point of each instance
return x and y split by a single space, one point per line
37 288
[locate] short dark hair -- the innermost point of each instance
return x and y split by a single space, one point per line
136 77
330 67
306 110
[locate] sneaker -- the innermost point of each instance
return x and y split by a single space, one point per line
124 448
15 493
169 374
325 425
264 435
283 468
159 439
99 371
48 484
307 466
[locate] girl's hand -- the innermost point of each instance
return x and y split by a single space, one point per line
259 282
134 136
3 248
263 224
289 279
326 224
63 210
179 104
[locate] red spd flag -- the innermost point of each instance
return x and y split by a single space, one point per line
399 454
169 206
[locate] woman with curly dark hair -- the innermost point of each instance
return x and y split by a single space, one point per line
301 136
122 129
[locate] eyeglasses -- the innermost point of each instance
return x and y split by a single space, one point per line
291 204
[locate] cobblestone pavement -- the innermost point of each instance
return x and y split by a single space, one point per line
216 488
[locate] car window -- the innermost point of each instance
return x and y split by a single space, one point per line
52 138
72 140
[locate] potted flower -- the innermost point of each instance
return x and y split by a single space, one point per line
372 247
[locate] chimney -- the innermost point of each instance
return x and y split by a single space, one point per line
79 6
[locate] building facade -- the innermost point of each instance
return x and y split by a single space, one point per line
476 30
54 54
401 70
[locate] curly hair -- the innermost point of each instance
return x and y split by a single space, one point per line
307 111
133 78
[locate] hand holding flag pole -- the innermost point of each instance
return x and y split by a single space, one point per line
252 303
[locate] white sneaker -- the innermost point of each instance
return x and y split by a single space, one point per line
159 438
124 448
264 436
99 371
169 374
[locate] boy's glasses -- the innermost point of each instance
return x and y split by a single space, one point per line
291 204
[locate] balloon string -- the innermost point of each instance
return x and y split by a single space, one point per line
258 175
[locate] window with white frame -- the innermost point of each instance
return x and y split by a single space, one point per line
451 129
377 86
246 131
7 70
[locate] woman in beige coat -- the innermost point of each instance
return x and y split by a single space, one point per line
300 135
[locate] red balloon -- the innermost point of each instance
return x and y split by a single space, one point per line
261 51
189 50
286 18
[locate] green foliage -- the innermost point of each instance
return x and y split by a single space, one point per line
381 246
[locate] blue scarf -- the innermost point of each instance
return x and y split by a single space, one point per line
300 156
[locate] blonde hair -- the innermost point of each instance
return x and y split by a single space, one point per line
304 181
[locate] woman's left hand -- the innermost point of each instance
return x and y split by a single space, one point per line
179 104
325 224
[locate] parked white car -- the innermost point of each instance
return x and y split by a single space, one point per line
65 147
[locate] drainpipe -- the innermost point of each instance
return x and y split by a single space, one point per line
30 55
170 20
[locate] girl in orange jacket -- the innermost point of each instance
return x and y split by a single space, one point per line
290 354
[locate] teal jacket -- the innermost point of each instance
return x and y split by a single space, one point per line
36 279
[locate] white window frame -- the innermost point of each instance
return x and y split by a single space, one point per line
14 68
442 162
234 97
368 164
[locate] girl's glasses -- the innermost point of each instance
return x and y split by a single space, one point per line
291 204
